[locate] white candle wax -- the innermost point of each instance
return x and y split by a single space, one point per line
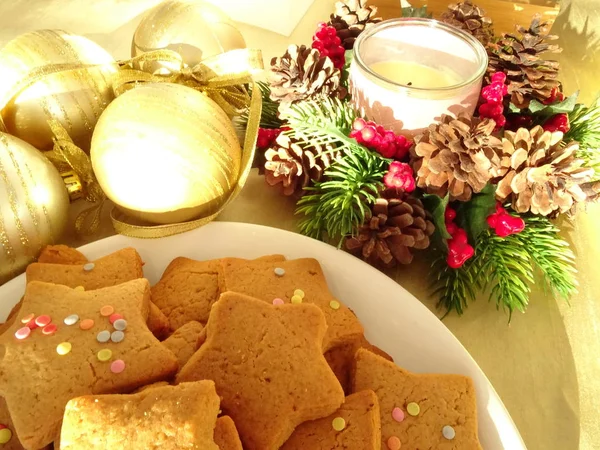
415 75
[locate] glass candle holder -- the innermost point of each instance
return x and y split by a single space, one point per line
407 72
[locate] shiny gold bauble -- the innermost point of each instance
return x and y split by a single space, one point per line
75 97
193 28
165 153
34 205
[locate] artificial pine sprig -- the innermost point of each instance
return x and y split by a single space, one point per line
585 129
270 115
455 288
335 208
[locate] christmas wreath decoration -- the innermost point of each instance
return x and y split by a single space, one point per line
477 195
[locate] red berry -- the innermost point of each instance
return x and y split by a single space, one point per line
451 228
359 124
449 214
499 77
368 133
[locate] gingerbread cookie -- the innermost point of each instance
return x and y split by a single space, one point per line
166 417
297 281
356 425
61 254
419 410
268 366
226 435
8 437
183 342
188 289
66 343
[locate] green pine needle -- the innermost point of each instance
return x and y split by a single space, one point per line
585 129
454 287
269 117
335 208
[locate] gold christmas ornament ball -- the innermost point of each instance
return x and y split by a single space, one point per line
34 205
76 96
165 153
195 29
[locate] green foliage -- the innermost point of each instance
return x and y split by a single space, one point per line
472 215
437 208
454 287
335 208
565 106
585 129
410 11
269 117
349 56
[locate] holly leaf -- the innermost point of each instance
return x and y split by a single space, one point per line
513 109
437 208
472 215
411 11
566 106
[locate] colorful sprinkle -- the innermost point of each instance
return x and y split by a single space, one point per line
394 443
103 336
86 324
279 271
106 310
32 325
89 266
334 304
5 435
296 299
71 320
278 301
63 348
117 336
120 324
104 355
448 432
79 288
22 333
398 414
299 293
49 329
413 409
338 423
28 318
43 320
114 317
117 366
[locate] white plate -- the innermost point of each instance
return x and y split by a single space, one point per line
393 319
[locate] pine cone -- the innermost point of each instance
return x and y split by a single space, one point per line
351 18
471 18
542 174
295 167
394 226
529 76
458 156
302 73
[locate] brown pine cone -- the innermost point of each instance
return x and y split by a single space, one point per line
301 74
542 174
351 18
458 156
529 76
471 18
294 167
394 226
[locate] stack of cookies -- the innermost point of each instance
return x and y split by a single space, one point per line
226 354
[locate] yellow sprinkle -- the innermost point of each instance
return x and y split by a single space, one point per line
80 288
63 348
338 424
413 409
334 304
104 355
296 299
5 435
299 293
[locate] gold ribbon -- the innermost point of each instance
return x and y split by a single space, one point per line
226 88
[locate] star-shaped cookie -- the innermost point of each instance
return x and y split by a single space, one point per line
268 366
270 280
166 417
419 411
76 350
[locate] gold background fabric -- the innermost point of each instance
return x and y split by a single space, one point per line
545 365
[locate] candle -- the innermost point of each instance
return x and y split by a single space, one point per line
407 72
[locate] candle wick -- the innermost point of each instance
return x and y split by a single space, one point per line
409 83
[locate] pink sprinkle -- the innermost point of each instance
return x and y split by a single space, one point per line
42 321
22 333
398 414
278 301
49 329
117 366
114 317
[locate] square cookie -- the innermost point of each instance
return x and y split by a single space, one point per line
226 435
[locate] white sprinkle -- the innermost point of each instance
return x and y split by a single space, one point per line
117 336
89 266
72 319
120 324
279 271
448 432
103 336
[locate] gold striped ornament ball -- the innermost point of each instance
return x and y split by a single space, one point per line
34 205
165 153
74 86
195 29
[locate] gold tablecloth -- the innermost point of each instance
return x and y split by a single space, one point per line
545 363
